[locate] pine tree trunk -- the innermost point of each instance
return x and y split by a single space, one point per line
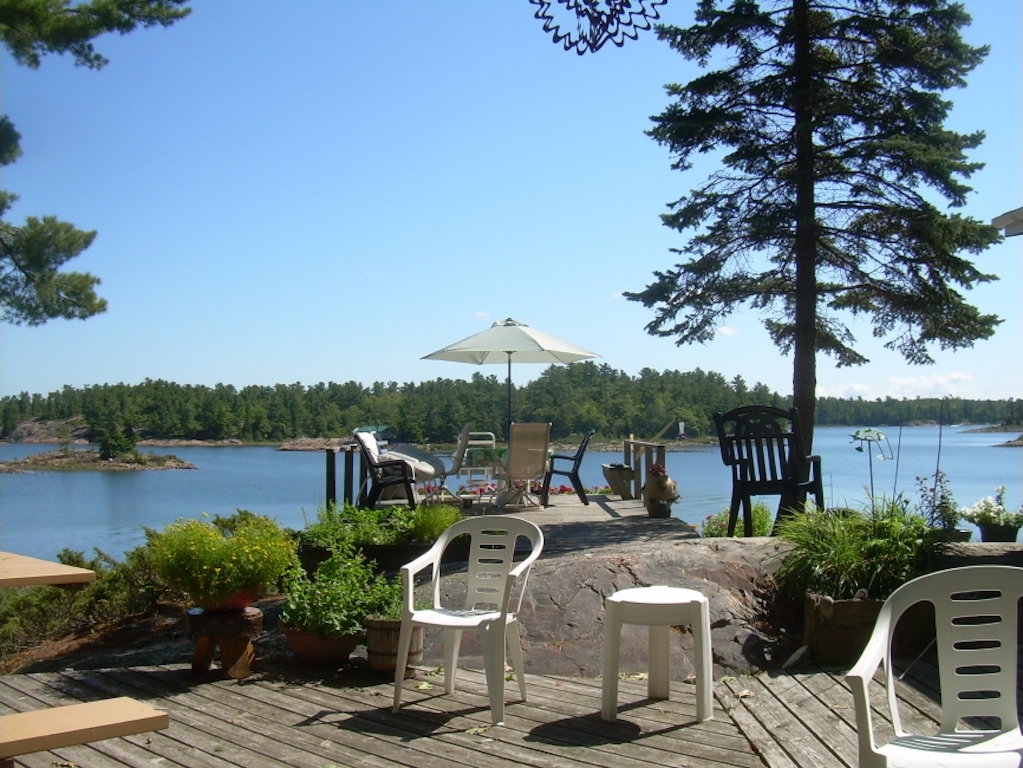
804 370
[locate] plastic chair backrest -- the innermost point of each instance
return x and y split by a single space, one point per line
527 450
492 559
760 443
577 457
975 613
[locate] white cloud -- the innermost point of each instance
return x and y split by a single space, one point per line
481 315
852 389
957 384
726 330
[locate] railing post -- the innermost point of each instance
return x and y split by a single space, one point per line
349 483
331 476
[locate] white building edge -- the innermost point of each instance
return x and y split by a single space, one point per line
1011 222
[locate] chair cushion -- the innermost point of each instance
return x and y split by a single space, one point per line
425 467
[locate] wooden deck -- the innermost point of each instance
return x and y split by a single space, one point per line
284 716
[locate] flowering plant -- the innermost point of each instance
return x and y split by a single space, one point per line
992 511
213 560
657 470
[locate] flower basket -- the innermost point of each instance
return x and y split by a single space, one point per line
995 522
660 492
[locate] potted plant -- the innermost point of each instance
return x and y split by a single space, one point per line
939 507
223 563
660 491
841 566
996 523
324 619
383 629
388 537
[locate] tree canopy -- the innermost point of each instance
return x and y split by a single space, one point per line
33 289
827 117
575 398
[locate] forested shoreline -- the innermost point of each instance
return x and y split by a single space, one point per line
573 398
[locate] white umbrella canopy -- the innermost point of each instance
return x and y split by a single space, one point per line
509 340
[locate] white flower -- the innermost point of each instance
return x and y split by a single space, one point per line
992 511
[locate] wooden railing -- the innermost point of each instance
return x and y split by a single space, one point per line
639 455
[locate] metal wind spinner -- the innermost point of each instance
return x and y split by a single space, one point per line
596 21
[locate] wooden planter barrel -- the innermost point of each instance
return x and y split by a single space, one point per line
382 646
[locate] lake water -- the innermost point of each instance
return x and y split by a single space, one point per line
44 512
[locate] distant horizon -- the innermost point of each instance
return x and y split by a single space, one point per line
500 378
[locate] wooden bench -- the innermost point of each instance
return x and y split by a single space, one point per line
47 729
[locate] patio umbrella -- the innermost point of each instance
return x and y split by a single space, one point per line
509 340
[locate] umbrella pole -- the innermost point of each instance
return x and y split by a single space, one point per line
507 428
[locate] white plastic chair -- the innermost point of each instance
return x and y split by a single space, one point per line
975 610
492 575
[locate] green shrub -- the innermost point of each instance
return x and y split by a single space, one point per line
716 525
29 616
839 552
345 592
336 527
429 521
212 560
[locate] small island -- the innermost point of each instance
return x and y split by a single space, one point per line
68 459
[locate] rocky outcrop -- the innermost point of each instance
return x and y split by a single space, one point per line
562 614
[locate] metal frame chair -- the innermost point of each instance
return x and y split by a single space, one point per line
976 617
493 574
571 473
525 462
764 448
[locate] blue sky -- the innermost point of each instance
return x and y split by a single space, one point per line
327 191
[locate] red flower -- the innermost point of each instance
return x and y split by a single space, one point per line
657 470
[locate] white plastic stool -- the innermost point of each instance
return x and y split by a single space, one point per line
659 608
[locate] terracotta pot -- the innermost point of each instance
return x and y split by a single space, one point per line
998 533
310 647
237 602
382 646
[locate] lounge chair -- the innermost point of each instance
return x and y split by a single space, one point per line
383 473
525 463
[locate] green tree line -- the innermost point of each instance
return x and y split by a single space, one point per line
574 398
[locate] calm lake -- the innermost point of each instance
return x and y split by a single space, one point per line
44 512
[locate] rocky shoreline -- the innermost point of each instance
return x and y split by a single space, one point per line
72 459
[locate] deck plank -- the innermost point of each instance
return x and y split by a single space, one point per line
283 715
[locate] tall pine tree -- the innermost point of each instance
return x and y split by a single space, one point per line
33 287
829 118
